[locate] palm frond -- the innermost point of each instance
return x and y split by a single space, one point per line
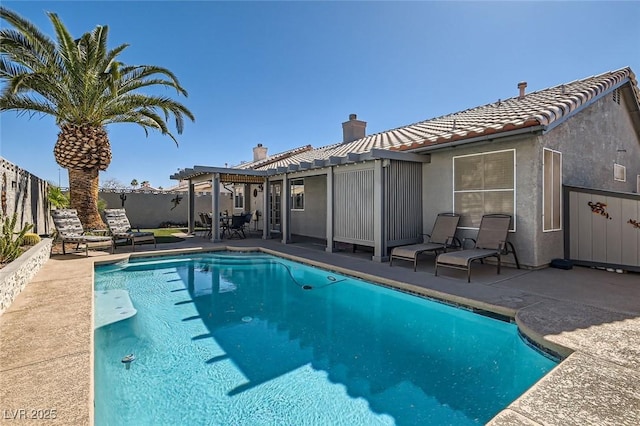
80 81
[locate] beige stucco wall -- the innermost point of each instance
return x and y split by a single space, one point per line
438 191
312 221
147 210
589 142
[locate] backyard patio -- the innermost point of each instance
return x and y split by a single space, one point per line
591 316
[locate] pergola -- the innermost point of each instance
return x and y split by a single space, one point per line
378 159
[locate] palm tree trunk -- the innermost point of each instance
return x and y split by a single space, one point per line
83 190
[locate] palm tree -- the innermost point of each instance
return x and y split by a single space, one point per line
134 183
83 85
56 197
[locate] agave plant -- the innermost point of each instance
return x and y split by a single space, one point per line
83 85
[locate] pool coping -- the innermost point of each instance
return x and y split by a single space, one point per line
535 406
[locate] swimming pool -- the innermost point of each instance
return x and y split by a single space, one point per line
250 339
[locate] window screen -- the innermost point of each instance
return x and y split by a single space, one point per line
297 194
619 173
238 197
552 188
484 184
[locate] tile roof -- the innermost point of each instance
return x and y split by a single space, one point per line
544 108
280 157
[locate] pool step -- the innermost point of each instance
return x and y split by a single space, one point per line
112 306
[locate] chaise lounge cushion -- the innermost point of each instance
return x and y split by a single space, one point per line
412 250
120 228
464 257
70 230
442 236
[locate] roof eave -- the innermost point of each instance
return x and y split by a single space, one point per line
483 138
591 101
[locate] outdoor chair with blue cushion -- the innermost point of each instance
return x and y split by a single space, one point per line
120 228
70 230
491 242
442 236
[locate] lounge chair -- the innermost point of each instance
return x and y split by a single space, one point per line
206 224
491 242
442 236
70 230
120 229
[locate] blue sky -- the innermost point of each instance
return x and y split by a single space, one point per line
287 74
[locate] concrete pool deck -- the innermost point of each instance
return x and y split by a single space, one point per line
590 316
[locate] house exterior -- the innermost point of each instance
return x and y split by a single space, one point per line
513 156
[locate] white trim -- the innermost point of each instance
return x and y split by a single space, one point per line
617 169
543 190
293 183
236 189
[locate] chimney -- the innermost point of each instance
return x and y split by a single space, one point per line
522 85
259 152
353 129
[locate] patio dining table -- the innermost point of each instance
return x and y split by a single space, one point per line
225 223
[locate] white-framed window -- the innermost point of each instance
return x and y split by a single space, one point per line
297 194
551 190
484 184
619 172
238 197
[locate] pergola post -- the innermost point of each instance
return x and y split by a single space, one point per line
215 208
379 237
330 248
285 213
191 202
266 211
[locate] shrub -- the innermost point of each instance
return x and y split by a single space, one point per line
10 247
170 224
57 198
31 239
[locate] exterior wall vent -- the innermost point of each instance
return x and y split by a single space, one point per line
619 173
616 96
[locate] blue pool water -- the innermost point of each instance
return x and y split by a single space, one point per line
236 339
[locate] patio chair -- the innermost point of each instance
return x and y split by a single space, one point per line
120 229
491 242
206 224
70 230
236 227
442 236
248 216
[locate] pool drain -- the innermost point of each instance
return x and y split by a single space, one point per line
247 319
127 360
